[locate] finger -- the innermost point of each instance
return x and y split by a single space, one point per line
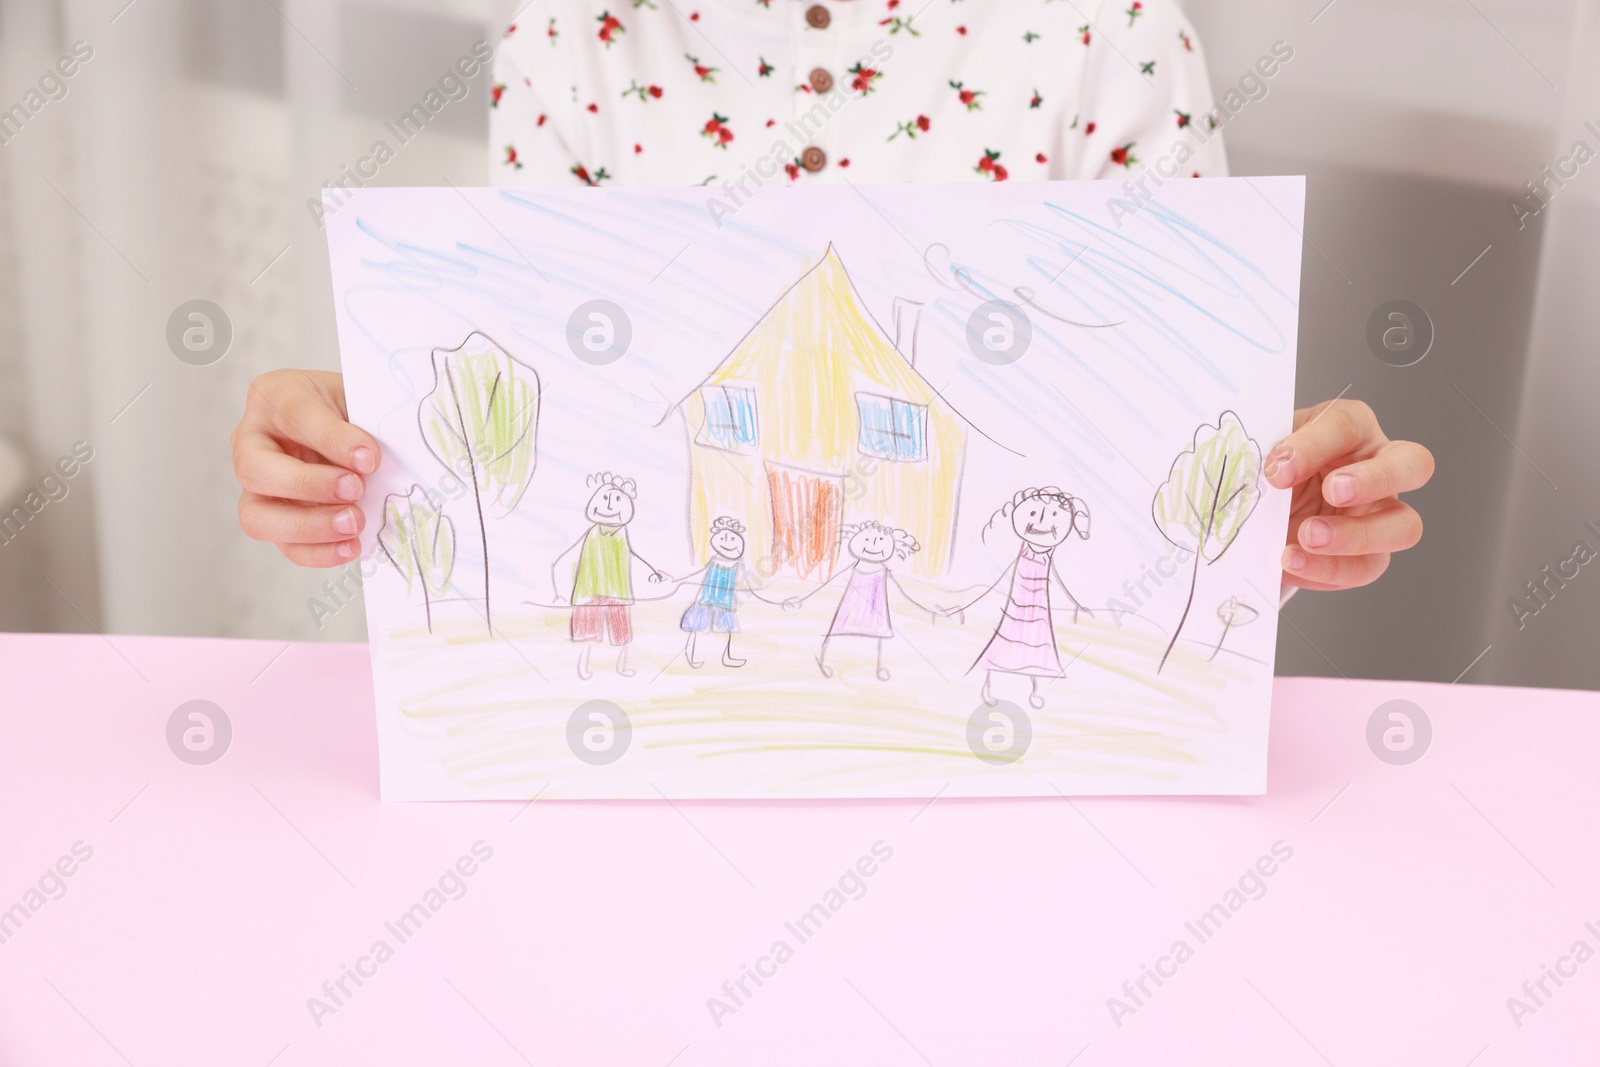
1399 467
1335 430
330 555
297 524
1334 572
1388 529
263 468
304 413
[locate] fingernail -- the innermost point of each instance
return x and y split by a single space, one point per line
364 460
348 549
1340 489
1279 462
348 488
1293 559
1314 533
345 521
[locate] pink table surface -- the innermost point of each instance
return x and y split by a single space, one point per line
219 898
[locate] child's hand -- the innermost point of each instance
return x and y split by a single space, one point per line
301 465
1345 518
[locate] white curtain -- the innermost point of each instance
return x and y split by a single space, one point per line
177 166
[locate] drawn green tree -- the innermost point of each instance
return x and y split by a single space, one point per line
481 422
1211 490
1233 612
420 540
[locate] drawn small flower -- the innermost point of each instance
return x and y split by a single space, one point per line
638 148
651 4
1124 157
1087 130
765 69
1134 12
610 26
645 93
706 74
550 31
1028 37
1037 99
1183 118
1188 45
511 159
496 91
961 30
718 133
584 176
792 169
969 97
991 166
1083 33
864 77
896 24
1147 69
542 119
511 29
1040 157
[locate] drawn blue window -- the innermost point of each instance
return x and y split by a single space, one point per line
892 429
730 416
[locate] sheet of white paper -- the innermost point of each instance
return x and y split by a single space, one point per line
850 492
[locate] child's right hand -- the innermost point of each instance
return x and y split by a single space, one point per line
301 464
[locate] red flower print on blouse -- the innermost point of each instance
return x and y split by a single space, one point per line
1188 45
707 74
719 134
511 159
962 30
610 26
584 176
864 77
550 31
990 165
1037 99
1124 157
765 69
917 125
968 97
1183 118
1041 158
542 118
1134 12
1084 33
645 93
1087 130
495 93
792 169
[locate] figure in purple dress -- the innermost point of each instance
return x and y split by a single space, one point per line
1024 642
863 610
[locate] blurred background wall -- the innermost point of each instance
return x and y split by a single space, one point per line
179 162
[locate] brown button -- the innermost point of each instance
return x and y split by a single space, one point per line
817 17
821 80
813 159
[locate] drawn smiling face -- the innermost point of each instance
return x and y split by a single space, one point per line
1042 522
727 544
872 544
610 506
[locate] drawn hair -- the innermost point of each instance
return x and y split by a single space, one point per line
904 543
607 480
725 522
1074 505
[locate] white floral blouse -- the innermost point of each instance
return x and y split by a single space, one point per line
746 93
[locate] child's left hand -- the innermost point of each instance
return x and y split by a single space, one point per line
1345 517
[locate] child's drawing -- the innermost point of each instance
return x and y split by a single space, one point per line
595 575
1024 641
481 420
715 604
1211 490
863 609
846 532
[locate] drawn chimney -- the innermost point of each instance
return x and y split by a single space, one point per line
907 318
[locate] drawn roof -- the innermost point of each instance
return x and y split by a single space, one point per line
817 332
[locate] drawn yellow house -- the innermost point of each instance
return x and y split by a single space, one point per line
815 421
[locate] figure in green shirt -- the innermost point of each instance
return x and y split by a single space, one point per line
602 578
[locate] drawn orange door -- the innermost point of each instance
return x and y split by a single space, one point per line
806 510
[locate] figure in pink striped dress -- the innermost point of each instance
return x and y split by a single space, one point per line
1025 640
